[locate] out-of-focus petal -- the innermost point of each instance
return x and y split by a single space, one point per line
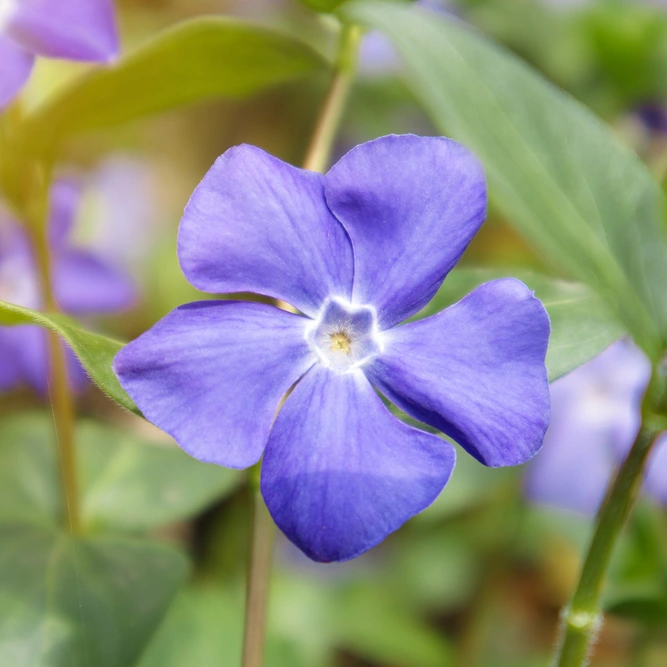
475 371
15 67
10 369
411 205
85 285
211 374
257 224
71 29
340 472
65 197
31 356
595 417
656 476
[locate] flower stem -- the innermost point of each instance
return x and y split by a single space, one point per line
581 619
263 530
319 151
259 576
59 390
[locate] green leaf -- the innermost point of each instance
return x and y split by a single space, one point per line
75 602
322 5
372 623
554 169
650 611
582 325
204 628
130 484
95 352
196 60
126 483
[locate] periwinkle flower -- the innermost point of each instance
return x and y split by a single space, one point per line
595 417
356 251
82 285
70 29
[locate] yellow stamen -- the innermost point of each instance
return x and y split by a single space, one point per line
340 343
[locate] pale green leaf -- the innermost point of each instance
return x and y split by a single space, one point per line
554 169
196 60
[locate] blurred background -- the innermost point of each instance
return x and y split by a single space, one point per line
477 579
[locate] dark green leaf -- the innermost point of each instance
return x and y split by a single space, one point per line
650 611
95 352
126 483
196 60
555 170
581 324
78 602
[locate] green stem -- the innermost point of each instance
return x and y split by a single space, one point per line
317 156
61 398
581 619
263 531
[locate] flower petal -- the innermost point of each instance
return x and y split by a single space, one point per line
257 224
211 374
85 285
411 205
574 466
72 29
475 371
31 355
15 67
340 472
595 417
65 196
10 370
656 471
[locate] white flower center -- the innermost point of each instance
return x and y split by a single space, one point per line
344 336
7 10
18 285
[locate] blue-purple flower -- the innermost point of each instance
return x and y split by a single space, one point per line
71 29
595 419
357 251
82 285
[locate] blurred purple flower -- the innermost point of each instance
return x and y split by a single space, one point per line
378 57
71 29
653 117
595 419
358 251
124 210
82 285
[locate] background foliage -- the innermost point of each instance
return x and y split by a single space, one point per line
550 98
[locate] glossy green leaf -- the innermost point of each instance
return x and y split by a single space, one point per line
126 483
77 602
95 352
196 60
582 325
554 169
